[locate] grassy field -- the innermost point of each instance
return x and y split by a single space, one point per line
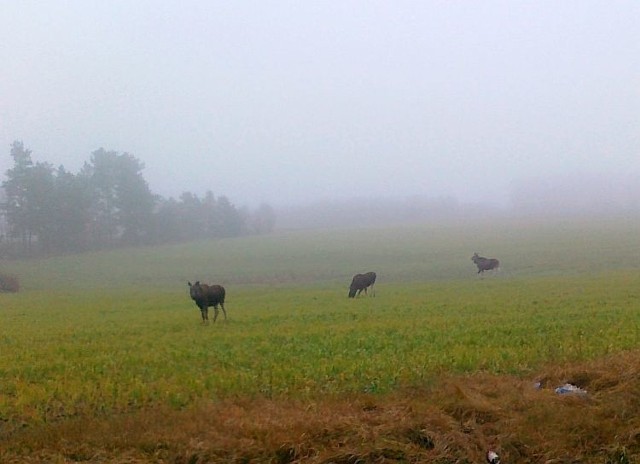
105 334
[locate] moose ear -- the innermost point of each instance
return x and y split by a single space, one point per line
189 283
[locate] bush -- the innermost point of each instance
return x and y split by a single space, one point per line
9 283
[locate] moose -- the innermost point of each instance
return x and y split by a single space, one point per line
485 264
208 295
360 282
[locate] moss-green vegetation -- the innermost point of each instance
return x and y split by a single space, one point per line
114 331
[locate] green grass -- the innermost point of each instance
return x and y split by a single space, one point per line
109 332
526 248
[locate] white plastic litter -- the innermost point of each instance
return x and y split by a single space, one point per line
492 457
570 389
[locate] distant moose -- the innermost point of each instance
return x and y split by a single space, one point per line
360 282
208 295
485 264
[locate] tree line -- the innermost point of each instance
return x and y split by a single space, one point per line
108 203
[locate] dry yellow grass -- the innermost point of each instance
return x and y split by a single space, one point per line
455 420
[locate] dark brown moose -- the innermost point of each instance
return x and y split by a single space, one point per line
208 295
360 282
485 264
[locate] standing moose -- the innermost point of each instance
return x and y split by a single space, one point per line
485 264
208 295
361 282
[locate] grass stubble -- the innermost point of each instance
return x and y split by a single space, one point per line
454 420
98 365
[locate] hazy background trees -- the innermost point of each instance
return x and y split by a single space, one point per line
121 201
107 204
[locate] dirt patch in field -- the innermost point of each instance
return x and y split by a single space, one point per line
456 420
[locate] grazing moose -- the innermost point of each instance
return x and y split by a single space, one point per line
485 264
361 282
208 295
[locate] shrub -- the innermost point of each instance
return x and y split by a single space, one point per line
9 283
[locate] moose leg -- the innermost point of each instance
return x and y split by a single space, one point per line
204 312
215 312
224 311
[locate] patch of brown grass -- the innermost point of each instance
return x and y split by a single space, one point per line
455 421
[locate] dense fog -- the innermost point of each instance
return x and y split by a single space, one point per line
359 112
550 197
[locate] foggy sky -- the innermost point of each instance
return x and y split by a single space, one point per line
291 101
